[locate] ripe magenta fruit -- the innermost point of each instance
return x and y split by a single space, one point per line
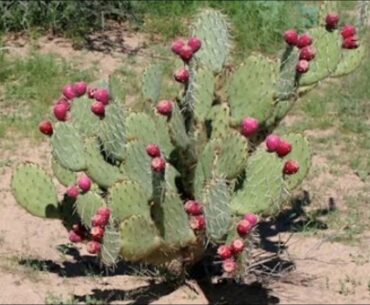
91 92
303 66
304 41
105 213
350 43
98 221
249 127
194 43
229 265
153 150
291 37
283 148
224 252
69 92
46 128
331 20
98 108
307 53
198 222
80 88
73 192
291 167
182 76
102 95
60 111
164 107
237 246
186 53
64 101
272 142
74 237
97 233
252 219
244 227
158 164
84 183
193 208
348 31
177 46
93 247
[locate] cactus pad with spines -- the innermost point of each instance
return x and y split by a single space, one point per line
286 84
64 175
151 83
116 89
350 60
83 119
34 191
220 120
177 129
111 246
87 205
251 88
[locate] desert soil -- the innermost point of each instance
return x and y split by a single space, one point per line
34 270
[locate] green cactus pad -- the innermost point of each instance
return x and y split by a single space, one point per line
328 47
68 148
64 175
252 87
87 205
302 90
127 199
111 246
137 166
116 89
83 119
220 117
172 222
216 201
151 83
139 238
301 152
212 28
263 186
177 129
34 191
100 171
113 132
281 109
350 60
200 93
141 126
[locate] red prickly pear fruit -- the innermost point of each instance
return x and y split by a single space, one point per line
186 53
93 247
80 88
105 213
102 95
307 53
229 265
158 164
272 142
98 221
97 233
291 167
348 31
237 246
350 43
194 43
84 183
79 229
251 218
332 20
73 192
177 46
284 148
225 252
164 107
74 237
249 127
198 223
303 66
64 101
193 208
153 150
69 92
182 76
91 92
244 227
98 108
304 41
46 128
60 111
291 37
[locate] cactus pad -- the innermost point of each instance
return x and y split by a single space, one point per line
116 89
87 206
220 117
177 129
64 175
83 119
111 246
151 83
34 191
350 60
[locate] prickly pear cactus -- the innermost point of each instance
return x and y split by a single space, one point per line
169 180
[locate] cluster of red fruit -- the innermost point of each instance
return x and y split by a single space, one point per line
99 221
350 39
195 210
70 92
185 50
282 148
229 253
83 185
158 163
